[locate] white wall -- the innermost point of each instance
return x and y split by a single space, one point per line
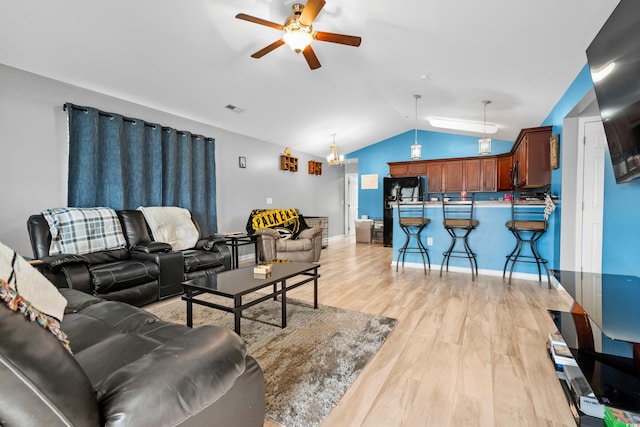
33 152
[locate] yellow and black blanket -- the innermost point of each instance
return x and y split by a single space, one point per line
288 222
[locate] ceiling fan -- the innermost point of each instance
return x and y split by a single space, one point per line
298 32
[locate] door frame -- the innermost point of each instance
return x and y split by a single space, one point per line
572 162
350 225
580 242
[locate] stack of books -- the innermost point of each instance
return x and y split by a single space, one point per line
618 418
560 353
582 393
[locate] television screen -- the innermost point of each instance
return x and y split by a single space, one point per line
614 62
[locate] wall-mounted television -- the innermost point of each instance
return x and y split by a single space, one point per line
614 62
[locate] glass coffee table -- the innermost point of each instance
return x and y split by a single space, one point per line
236 284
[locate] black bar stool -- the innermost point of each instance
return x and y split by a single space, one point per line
457 215
528 224
412 220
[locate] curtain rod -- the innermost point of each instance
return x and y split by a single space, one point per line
126 119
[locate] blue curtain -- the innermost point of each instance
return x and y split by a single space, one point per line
124 163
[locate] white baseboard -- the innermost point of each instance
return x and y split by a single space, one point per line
484 272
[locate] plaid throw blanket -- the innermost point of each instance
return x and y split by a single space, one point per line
83 230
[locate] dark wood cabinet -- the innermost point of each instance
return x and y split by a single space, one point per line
398 169
528 165
532 152
472 175
453 175
488 175
434 177
413 168
505 182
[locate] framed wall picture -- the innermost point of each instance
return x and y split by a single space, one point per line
555 152
242 162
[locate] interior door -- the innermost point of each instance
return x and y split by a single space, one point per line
352 203
595 144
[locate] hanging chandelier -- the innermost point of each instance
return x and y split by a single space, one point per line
484 143
334 158
416 149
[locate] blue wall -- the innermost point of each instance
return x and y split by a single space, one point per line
621 228
435 145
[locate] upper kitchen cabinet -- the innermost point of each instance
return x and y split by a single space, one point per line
412 168
505 177
453 175
527 165
435 183
531 158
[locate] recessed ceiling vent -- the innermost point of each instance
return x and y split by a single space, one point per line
234 108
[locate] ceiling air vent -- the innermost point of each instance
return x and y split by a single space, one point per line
234 108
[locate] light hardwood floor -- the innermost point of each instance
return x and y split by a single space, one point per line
463 353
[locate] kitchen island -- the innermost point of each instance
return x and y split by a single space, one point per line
491 241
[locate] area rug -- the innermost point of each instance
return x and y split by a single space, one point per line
309 365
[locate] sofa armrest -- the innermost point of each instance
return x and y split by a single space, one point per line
178 379
152 247
310 233
56 262
211 243
268 232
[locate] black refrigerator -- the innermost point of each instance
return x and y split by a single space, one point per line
407 189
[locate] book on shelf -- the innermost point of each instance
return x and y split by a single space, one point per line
619 418
560 351
582 393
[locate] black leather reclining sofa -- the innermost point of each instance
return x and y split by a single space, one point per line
128 368
138 274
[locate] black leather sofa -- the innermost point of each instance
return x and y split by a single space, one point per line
139 274
128 369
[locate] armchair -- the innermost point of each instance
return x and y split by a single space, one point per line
306 247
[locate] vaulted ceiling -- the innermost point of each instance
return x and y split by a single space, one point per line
192 58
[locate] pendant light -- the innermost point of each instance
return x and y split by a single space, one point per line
416 149
484 143
334 158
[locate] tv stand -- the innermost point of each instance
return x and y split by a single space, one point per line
602 330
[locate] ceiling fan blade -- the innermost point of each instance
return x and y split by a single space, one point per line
310 11
262 52
337 38
260 21
311 57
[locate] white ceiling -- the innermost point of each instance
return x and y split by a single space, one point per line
192 57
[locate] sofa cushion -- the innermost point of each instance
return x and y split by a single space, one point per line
120 275
136 362
41 376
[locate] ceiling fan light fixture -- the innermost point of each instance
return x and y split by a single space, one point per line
297 38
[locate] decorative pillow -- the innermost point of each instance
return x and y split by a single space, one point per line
172 225
23 289
83 230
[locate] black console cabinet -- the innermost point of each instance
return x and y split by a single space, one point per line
602 330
